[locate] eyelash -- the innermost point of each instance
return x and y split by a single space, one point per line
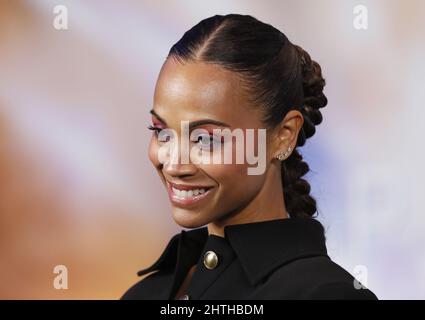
156 129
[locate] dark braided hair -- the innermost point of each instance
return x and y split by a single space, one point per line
298 200
279 76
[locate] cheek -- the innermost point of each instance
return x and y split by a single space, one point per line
234 181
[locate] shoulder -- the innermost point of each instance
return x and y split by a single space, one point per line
318 278
340 291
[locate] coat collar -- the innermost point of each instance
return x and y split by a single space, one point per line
261 247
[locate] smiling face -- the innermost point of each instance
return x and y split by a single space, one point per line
194 92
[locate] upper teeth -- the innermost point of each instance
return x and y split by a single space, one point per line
187 193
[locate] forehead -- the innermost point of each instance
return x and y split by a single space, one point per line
199 90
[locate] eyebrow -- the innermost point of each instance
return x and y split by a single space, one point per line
195 123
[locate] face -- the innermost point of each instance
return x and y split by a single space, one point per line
209 97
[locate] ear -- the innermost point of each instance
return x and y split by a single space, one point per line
286 133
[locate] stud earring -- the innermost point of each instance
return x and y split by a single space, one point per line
282 156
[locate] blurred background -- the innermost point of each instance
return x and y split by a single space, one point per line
77 188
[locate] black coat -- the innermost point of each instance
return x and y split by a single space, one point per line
277 259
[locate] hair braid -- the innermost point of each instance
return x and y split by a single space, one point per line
299 202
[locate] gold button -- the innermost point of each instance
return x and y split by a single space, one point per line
210 260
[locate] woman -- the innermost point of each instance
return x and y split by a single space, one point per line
253 236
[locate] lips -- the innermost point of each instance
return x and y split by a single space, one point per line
184 195
187 187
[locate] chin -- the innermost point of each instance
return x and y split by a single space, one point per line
187 219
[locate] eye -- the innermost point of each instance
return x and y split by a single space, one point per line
207 142
160 133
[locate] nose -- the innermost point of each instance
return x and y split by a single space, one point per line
178 163
179 170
